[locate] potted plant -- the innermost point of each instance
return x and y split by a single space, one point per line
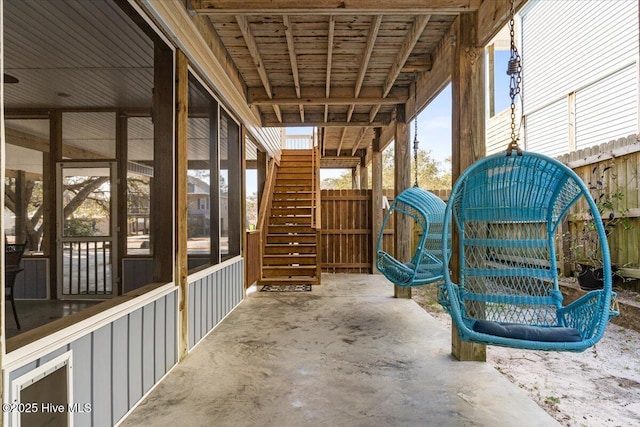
585 250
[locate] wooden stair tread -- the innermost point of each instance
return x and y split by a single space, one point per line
290 252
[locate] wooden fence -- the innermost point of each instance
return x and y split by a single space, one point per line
347 241
611 171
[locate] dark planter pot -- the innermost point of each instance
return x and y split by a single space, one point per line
591 278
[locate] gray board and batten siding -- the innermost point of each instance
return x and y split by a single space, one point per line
33 281
115 365
212 297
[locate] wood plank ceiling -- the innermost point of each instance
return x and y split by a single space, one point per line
342 66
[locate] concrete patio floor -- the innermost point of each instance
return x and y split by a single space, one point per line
345 354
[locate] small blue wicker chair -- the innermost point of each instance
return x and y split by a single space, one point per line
507 209
427 263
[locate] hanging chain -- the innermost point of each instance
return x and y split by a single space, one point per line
416 143
514 70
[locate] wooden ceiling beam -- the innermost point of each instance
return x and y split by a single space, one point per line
316 95
492 17
288 30
29 176
245 29
329 101
36 143
335 7
409 42
317 119
366 56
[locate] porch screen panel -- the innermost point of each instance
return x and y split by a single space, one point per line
230 191
139 176
24 198
202 152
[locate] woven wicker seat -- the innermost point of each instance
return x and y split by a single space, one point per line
507 210
426 264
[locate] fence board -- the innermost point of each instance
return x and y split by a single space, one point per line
346 238
622 157
253 258
346 231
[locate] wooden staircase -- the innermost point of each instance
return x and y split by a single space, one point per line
290 254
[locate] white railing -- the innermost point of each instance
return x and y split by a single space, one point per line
298 142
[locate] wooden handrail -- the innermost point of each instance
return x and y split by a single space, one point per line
265 208
267 195
315 186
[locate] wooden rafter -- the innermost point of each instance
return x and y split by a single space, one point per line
366 56
288 30
245 29
332 28
342 135
335 7
359 139
409 42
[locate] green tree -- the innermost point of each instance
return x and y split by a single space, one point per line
432 175
342 182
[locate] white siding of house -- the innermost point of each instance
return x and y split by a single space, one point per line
586 47
614 98
547 130
499 132
567 45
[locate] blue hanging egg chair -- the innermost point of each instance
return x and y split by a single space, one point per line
506 210
427 263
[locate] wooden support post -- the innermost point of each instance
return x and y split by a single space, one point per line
181 267
122 158
21 207
235 192
214 189
364 174
376 195
242 190
49 199
468 142
355 178
491 79
402 168
162 189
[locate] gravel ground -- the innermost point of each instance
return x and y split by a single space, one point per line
599 387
